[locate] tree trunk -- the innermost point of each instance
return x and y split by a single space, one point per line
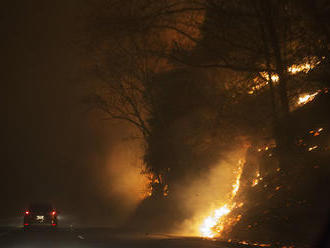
283 135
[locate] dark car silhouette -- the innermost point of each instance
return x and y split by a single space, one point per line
40 214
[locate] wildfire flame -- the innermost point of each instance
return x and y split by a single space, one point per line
215 222
273 77
207 228
309 64
236 184
304 67
307 98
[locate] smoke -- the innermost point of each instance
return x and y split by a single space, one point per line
123 178
111 184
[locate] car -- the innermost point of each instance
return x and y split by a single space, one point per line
40 214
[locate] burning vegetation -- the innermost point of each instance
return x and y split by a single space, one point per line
303 99
226 216
214 224
193 77
265 78
272 192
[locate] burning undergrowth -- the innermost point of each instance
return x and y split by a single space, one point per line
214 224
194 197
216 189
274 204
248 197
280 203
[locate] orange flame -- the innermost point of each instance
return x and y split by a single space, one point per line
307 98
214 224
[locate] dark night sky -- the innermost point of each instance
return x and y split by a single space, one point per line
48 139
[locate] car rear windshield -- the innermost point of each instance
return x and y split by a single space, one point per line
41 207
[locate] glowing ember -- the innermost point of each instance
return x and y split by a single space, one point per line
306 98
152 179
316 132
253 244
255 182
257 179
262 245
312 148
165 190
244 243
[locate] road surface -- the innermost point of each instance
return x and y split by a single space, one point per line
90 238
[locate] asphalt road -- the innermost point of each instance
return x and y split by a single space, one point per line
89 238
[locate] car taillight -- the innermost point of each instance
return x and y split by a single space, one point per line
53 213
27 212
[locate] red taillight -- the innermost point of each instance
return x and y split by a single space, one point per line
53 224
27 212
53 213
26 224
